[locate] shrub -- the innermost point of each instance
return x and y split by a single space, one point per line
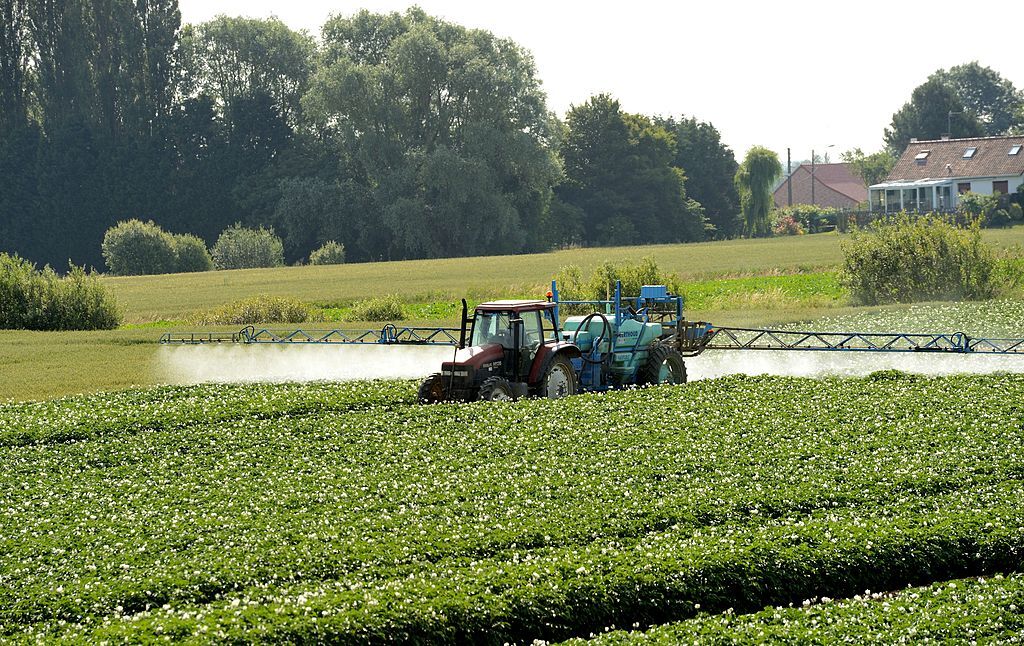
903 260
601 285
330 253
632 275
811 218
33 299
975 207
787 225
259 310
384 308
191 254
1016 212
242 248
134 247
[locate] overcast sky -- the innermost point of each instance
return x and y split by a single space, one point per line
799 74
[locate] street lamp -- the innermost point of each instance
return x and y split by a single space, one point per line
813 202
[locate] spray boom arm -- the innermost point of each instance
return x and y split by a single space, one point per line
654 305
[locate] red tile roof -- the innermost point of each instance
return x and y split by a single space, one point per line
945 158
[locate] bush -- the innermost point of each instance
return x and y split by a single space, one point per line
241 248
133 247
811 218
191 254
787 225
984 209
632 275
330 253
601 284
33 299
903 260
384 308
259 310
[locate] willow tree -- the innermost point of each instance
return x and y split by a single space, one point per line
754 181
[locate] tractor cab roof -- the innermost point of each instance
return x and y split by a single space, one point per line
515 306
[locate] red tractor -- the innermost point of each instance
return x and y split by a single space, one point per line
514 350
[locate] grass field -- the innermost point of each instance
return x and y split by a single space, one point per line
346 513
174 297
738 282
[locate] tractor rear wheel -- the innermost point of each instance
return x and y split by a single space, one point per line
495 389
664 365
559 381
432 390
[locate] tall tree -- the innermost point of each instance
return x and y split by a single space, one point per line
15 55
933 110
873 168
986 95
710 167
446 125
61 31
620 175
754 180
237 59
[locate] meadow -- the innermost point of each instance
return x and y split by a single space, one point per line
347 513
761 282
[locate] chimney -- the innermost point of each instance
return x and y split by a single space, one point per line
913 140
945 136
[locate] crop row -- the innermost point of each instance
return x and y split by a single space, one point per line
89 417
966 611
291 516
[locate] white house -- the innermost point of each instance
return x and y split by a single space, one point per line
931 175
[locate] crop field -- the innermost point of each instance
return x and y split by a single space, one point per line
346 512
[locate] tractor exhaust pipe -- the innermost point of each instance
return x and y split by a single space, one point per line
465 324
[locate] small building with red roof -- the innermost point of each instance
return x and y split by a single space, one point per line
832 185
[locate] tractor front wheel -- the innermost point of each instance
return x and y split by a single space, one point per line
495 389
664 365
432 390
559 381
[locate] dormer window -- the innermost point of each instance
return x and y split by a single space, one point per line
1015 150
970 153
922 156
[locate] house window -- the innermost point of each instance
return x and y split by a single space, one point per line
963 187
970 153
922 157
1000 187
1015 150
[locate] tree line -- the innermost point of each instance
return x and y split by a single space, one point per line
396 135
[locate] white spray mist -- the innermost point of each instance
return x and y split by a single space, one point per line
283 362
716 363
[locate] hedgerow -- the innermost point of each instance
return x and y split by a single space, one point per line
340 513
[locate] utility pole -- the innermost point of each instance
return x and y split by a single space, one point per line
812 178
789 178
949 123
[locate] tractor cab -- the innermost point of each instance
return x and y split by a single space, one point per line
511 347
